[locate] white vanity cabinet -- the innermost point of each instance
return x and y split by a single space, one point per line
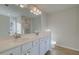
36 48
13 51
39 46
45 44
42 46
27 48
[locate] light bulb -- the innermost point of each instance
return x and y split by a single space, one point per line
31 11
40 12
34 8
37 14
21 5
34 12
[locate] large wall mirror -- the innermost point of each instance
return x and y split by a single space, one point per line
17 20
4 25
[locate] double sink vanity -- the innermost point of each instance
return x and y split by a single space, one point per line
19 31
29 44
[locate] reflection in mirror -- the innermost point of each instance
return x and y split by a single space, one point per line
36 24
4 26
26 25
16 20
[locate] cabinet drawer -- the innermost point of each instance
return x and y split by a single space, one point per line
26 46
36 42
14 51
42 40
27 49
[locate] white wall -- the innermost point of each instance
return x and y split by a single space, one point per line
65 28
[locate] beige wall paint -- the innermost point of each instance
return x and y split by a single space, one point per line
65 28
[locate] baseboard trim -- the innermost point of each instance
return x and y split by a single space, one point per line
71 49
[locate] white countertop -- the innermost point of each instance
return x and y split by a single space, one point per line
9 42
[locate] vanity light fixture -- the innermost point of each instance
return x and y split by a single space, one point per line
39 11
35 10
21 5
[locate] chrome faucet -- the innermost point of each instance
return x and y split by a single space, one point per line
16 35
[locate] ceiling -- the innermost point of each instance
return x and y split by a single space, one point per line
51 8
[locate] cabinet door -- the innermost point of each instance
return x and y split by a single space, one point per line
35 50
27 49
49 38
42 46
48 43
14 51
45 44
